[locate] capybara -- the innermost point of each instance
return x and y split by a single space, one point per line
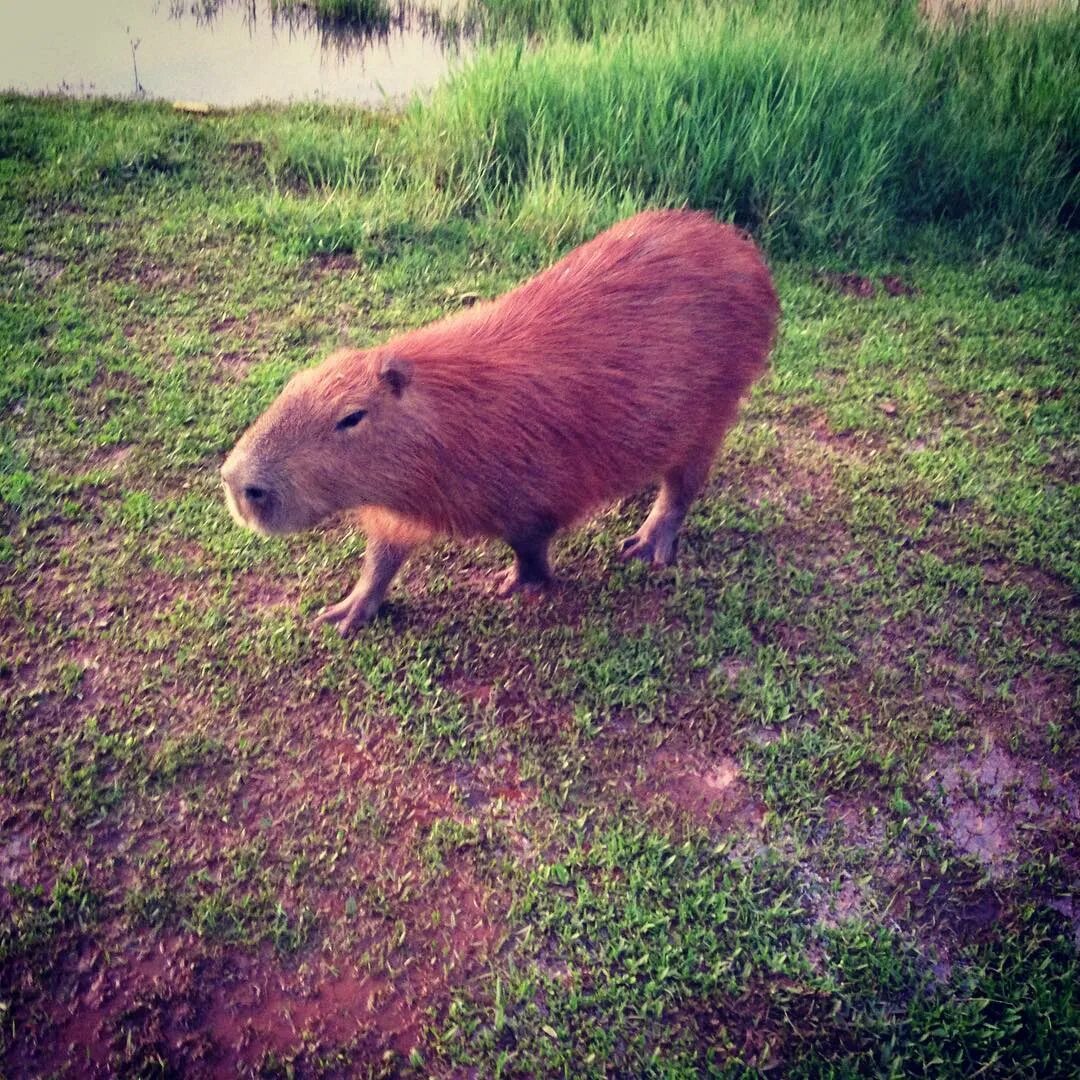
621 365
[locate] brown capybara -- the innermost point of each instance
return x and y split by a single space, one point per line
619 366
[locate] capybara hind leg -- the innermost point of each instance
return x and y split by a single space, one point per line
657 541
381 562
530 571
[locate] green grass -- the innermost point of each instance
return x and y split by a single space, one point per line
819 126
807 802
655 958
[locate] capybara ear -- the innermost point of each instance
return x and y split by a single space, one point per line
396 372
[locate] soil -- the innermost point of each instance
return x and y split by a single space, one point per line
709 790
996 804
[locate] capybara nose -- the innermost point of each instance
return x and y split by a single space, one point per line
248 490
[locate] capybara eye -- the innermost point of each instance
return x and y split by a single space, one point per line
351 420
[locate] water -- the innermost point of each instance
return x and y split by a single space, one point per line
221 54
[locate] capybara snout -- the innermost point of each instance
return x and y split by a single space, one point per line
622 365
307 457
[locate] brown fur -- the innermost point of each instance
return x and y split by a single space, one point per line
619 366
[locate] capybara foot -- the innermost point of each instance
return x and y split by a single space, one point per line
349 614
513 581
658 546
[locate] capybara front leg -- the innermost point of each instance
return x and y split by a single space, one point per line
657 541
381 562
530 571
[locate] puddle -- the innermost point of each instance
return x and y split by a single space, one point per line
223 54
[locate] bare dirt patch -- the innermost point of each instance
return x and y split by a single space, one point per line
247 327
14 854
953 682
263 1005
1042 698
997 805
264 593
1069 906
234 364
43 268
495 780
998 572
859 818
254 1013
834 907
135 268
338 262
864 288
207 1011
710 790
109 459
392 935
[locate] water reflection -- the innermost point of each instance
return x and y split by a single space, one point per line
225 52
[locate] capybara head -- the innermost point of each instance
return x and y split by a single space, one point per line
328 443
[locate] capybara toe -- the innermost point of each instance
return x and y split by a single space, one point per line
636 547
347 616
658 552
512 583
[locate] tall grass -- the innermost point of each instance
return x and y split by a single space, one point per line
572 18
817 123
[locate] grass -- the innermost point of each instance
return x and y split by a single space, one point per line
806 803
819 126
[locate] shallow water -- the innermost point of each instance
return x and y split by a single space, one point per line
223 54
